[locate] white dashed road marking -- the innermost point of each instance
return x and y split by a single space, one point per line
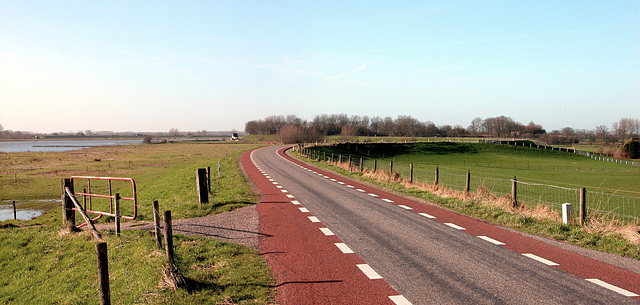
303 210
344 248
388 200
291 196
617 289
295 202
360 190
540 259
491 240
405 207
314 219
369 272
372 195
326 231
457 227
399 300
427 215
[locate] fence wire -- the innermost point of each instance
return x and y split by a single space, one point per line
614 205
533 194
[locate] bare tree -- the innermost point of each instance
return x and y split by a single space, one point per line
602 133
626 128
475 127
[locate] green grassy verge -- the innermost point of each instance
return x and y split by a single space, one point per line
607 242
40 266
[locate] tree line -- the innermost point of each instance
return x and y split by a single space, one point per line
295 129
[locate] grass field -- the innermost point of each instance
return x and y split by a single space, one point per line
40 266
544 177
497 161
163 172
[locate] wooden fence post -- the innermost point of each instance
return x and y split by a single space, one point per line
156 224
103 273
201 185
361 164
168 236
467 186
391 167
583 205
437 176
514 192
15 216
375 165
411 172
68 215
117 218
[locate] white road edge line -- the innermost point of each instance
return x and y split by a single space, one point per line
617 289
405 207
388 200
360 190
369 272
284 191
344 248
303 210
427 215
291 196
295 202
314 219
399 300
454 226
491 240
326 231
540 259
373 195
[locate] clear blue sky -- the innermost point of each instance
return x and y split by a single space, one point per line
214 65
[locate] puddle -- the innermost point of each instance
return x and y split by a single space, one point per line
25 210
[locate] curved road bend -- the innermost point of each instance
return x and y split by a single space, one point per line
433 256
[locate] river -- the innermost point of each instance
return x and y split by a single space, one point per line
59 145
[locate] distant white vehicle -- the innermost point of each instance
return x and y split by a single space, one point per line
234 136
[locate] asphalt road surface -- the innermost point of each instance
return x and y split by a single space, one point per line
433 256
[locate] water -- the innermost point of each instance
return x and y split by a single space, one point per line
25 210
59 145
6 213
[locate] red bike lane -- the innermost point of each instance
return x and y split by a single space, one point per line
308 265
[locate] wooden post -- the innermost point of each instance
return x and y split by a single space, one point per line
583 205
15 215
219 169
375 165
156 223
514 192
168 236
201 185
361 164
437 176
117 220
324 156
349 161
411 172
331 157
103 273
391 167
468 183
68 215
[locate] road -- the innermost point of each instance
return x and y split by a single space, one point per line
432 256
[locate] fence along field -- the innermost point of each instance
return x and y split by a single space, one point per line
542 177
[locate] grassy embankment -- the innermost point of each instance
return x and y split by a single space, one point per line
499 161
38 265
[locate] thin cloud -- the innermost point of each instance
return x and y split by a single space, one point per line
482 40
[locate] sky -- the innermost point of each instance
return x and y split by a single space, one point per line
214 65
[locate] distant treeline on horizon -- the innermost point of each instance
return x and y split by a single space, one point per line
407 126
